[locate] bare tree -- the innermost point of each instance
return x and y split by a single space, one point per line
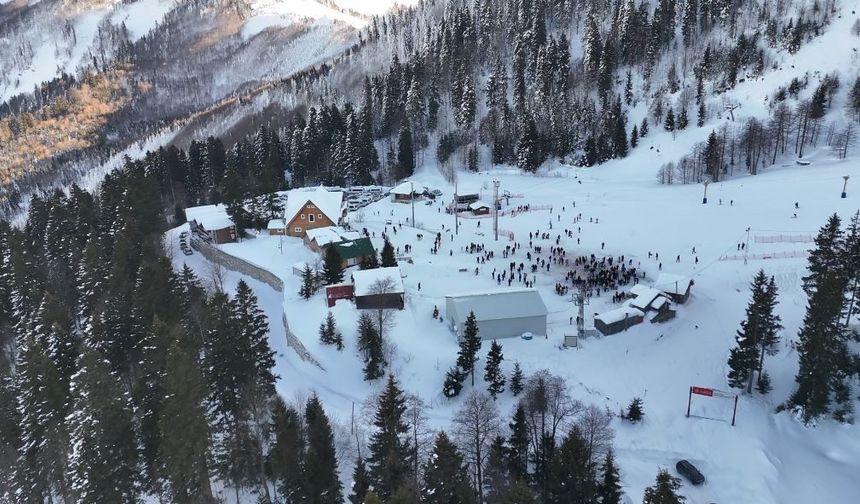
384 316
476 423
548 406
420 431
594 425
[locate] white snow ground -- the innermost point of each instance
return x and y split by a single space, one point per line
766 458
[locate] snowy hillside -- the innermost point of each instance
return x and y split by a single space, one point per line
765 458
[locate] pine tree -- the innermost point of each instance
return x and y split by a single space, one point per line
851 260
664 491
492 370
405 154
332 266
308 288
822 348
591 47
762 384
369 262
184 442
669 123
518 445
682 119
758 334
634 137
571 475
370 345
643 128
40 470
628 88
287 454
517 379
609 490
467 109
453 384
390 460
470 343
388 258
103 462
320 475
529 152
360 482
635 412
329 334
445 478
497 474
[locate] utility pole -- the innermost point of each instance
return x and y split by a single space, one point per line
412 199
747 247
454 208
496 209
845 186
705 196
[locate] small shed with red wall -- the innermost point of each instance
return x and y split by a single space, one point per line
338 291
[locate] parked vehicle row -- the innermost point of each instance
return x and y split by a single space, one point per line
183 243
360 197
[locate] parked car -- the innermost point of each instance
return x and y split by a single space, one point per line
436 192
689 471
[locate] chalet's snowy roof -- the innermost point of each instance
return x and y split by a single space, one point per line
478 204
331 234
618 314
645 297
498 304
329 203
324 235
211 217
403 189
365 279
276 224
672 284
659 302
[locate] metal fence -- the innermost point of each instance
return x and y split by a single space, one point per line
765 255
784 238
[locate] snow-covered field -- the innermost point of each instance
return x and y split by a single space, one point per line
766 458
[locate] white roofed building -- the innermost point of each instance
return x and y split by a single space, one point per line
211 223
403 192
504 313
617 320
379 288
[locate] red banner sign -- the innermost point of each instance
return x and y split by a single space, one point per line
702 391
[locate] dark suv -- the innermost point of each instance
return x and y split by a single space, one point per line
689 471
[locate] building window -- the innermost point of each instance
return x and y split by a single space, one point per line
297 229
303 216
311 217
319 216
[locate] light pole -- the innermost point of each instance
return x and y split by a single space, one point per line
845 186
705 196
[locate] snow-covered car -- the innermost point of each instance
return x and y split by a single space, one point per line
689 471
436 192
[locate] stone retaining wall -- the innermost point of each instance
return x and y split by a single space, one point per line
233 263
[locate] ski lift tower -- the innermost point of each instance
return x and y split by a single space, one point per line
581 300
